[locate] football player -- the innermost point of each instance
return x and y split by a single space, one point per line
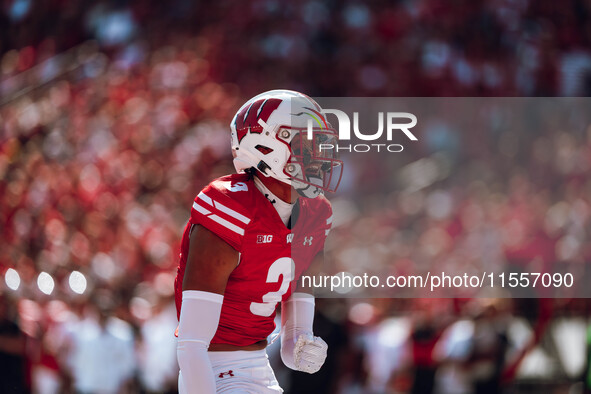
250 237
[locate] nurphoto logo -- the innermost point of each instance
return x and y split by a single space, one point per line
396 122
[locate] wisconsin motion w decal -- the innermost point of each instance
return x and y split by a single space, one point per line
248 118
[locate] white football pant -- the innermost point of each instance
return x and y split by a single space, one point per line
242 371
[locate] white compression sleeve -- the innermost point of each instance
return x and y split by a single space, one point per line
200 315
300 349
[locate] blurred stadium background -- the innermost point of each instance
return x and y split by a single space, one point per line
113 114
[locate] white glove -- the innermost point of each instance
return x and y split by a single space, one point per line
300 349
309 353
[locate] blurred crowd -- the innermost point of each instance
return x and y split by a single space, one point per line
494 185
114 114
328 48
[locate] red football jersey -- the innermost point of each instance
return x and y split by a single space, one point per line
272 257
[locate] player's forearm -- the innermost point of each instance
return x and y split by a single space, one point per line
297 317
297 314
196 374
300 349
200 315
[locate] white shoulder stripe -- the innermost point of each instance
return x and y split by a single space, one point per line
223 208
217 219
231 212
329 220
200 209
205 197
227 224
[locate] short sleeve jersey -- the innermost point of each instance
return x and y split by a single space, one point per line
272 256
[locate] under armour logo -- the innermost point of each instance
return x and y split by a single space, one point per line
273 201
289 238
229 373
308 241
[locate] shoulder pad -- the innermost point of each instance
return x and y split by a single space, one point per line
221 208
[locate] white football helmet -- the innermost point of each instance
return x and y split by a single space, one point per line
271 131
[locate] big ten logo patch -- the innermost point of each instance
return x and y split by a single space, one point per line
264 239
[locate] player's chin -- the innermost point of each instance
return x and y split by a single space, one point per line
294 194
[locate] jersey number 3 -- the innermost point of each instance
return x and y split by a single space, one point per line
284 268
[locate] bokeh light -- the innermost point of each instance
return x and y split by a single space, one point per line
77 282
45 283
12 279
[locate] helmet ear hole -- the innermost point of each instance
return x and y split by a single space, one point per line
265 150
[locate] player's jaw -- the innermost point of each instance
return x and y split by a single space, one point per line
280 189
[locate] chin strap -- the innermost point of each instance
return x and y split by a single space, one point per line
263 167
283 208
308 190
